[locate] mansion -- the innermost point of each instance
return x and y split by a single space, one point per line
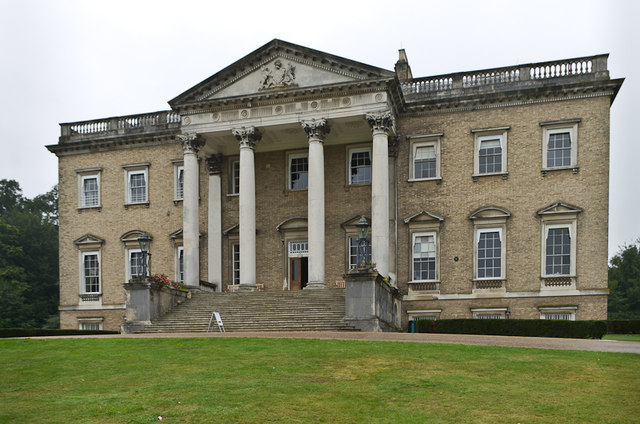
486 191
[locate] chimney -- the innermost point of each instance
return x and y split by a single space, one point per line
403 70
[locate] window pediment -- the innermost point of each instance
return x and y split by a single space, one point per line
297 223
560 208
423 217
490 212
88 240
235 229
133 236
351 222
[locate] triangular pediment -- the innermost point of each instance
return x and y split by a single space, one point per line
423 216
559 208
276 67
351 222
88 239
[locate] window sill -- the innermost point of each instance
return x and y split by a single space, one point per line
438 180
504 175
128 205
558 282
233 194
424 286
90 297
489 284
88 208
574 169
176 201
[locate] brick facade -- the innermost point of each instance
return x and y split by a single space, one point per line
522 190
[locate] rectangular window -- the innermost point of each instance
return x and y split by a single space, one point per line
298 172
353 252
490 156
236 263
489 316
559 150
137 189
560 316
235 177
90 191
180 264
135 263
424 257
90 272
489 254
558 251
360 166
179 183
424 161
560 144
90 326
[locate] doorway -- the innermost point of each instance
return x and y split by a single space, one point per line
298 264
299 273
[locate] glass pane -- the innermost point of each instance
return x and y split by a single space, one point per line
360 168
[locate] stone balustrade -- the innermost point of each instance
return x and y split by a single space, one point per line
507 78
118 126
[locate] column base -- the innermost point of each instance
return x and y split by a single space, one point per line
315 285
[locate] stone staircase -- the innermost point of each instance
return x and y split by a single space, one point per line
304 310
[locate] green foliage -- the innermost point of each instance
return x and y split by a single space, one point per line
42 332
624 283
623 326
516 327
28 257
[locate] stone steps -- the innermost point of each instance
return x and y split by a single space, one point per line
306 310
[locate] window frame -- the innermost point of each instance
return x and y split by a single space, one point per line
90 321
290 157
489 313
83 276
350 152
178 189
481 229
179 265
235 264
436 239
486 134
351 237
129 253
83 198
134 169
571 226
234 181
416 142
555 127
557 310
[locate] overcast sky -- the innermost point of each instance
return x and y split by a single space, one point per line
65 61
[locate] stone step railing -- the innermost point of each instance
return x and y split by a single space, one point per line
120 125
591 67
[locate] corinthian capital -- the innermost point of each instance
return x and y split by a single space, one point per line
247 136
316 128
380 121
190 142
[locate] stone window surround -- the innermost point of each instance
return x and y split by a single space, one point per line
131 169
476 313
178 167
482 134
87 320
350 230
414 315
83 285
416 141
437 253
178 246
294 154
232 189
552 127
423 222
483 219
355 148
570 310
89 244
85 174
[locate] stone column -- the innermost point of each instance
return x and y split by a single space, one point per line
316 130
381 123
190 228
214 165
247 137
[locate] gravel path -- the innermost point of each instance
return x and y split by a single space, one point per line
466 339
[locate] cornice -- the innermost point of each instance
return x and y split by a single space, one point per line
116 142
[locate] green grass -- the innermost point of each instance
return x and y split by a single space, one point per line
200 380
622 337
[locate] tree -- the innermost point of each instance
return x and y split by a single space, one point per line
624 283
28 257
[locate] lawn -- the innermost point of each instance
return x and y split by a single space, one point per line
622 337
217 380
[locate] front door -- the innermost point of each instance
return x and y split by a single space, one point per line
298 269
